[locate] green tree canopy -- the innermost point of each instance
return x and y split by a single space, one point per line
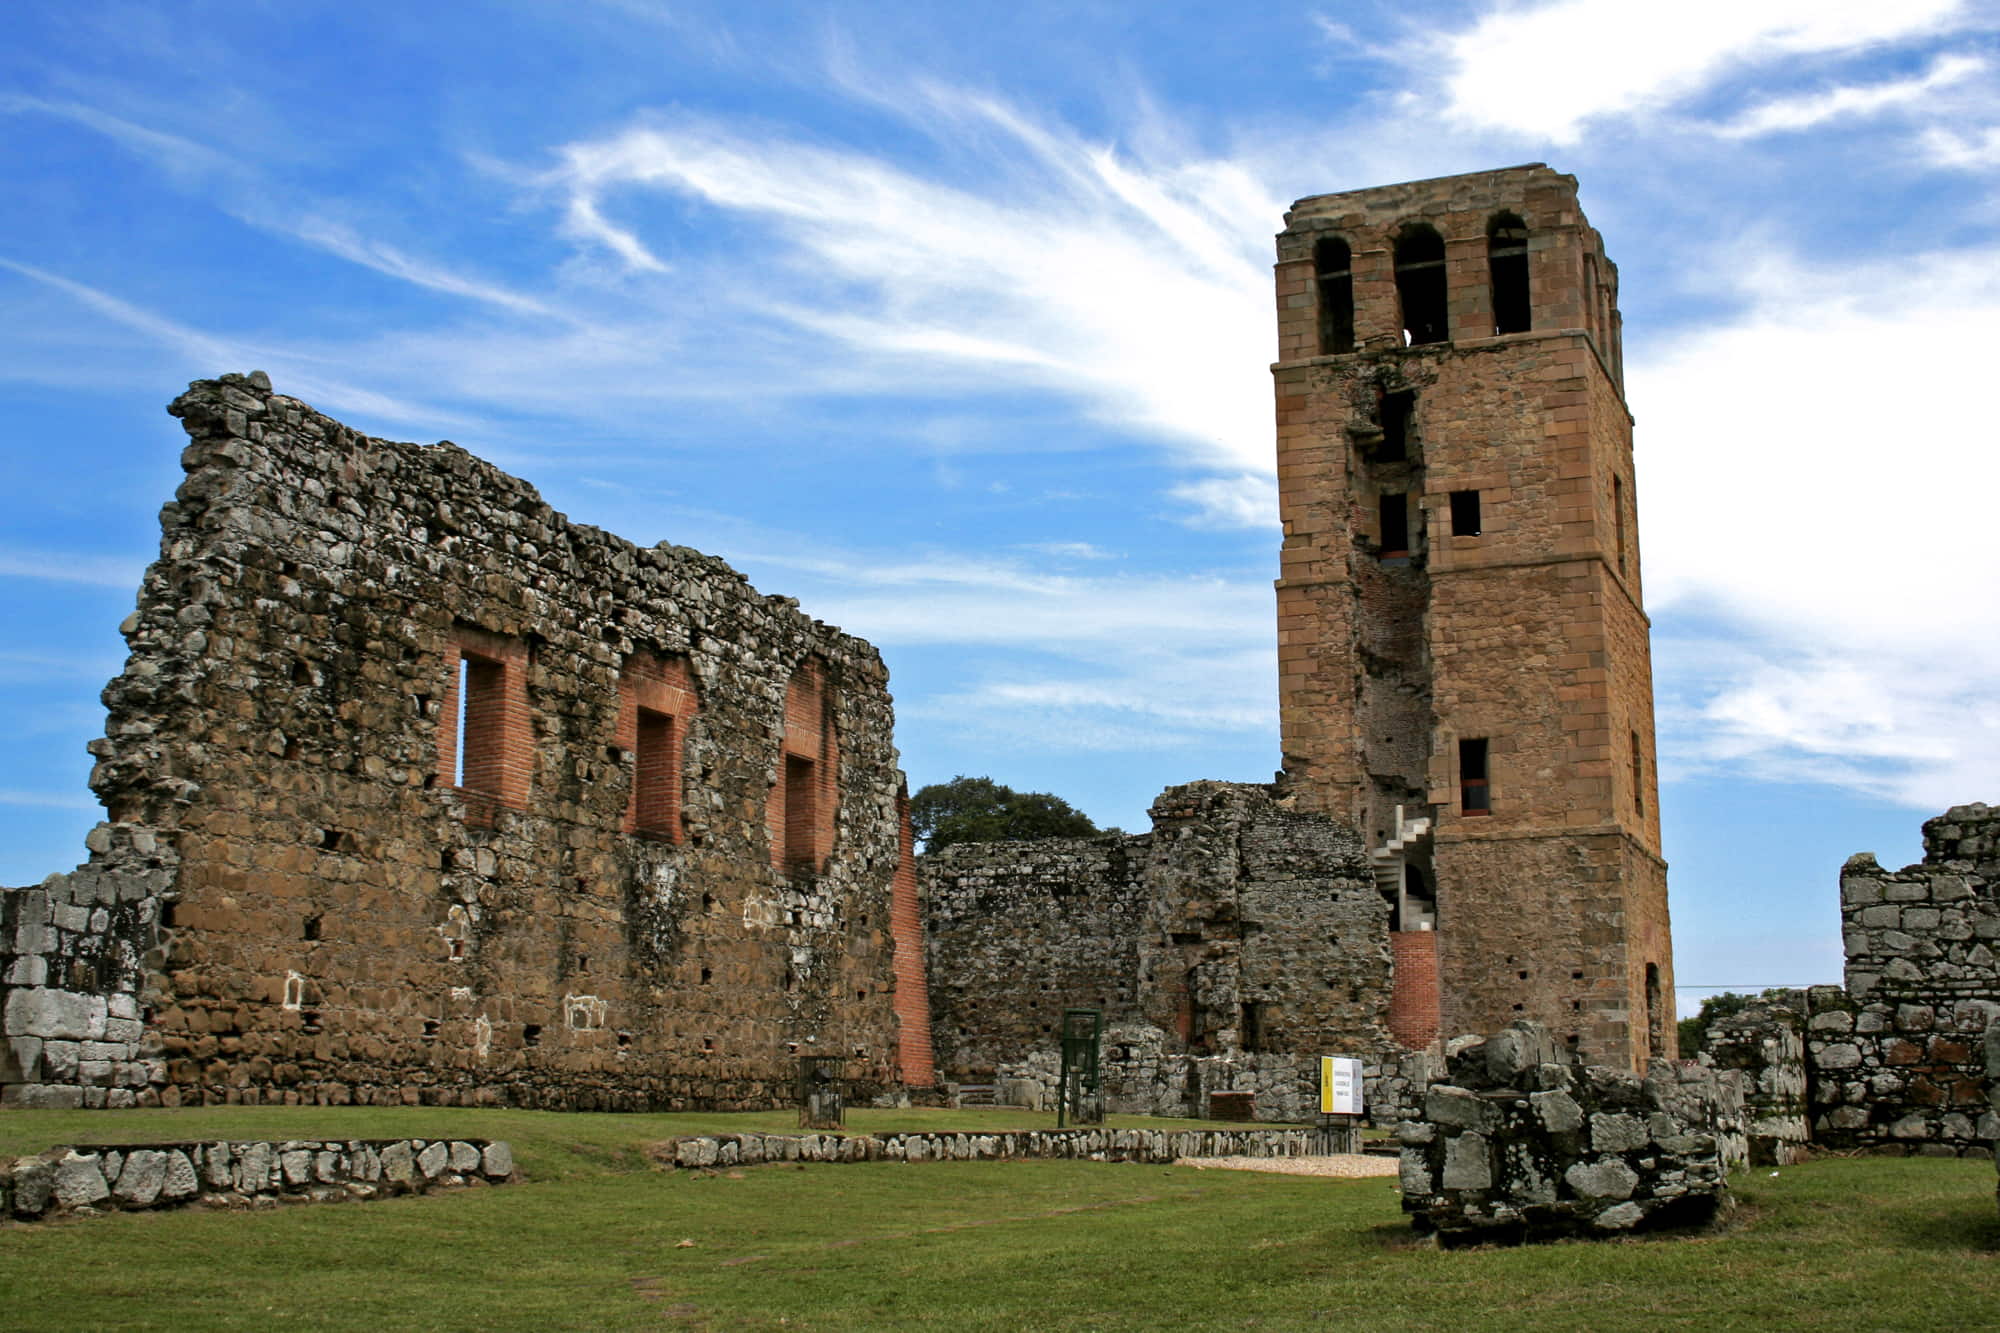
1694 1031
982 810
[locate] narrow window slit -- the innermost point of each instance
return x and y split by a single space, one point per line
1474 795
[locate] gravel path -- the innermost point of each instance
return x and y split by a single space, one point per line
1346 1166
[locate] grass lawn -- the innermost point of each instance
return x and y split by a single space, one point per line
593 1241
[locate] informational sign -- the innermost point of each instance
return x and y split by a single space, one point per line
1339 1085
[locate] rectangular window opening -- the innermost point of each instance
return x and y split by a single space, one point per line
1475 797
481 724
1465 514
656 775
801 813
1395 508
1397 409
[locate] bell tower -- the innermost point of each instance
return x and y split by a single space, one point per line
1464 658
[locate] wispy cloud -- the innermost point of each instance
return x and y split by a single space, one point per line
1132 286
1789 114
1545 71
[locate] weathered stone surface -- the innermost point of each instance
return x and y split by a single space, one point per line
1608 1178
79 1180
1468 1162
497 1161
433 1159
141 1179
398 1163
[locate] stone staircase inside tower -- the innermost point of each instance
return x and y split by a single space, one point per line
1388 858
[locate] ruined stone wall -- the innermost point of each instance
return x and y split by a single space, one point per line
83 1180
1895 1059
1520 1141
1764 1044
1227 949
418 792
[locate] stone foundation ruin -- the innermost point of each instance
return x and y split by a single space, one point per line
1520 1141
416 791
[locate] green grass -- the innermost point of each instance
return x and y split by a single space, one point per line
592 1242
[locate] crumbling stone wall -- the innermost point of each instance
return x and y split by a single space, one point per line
1227 949
1764 1043
1895 1059
418 792
71 1181
1521 1141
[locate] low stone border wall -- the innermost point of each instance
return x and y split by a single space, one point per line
1090 1145
89 1179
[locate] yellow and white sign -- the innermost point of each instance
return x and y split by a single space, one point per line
1339 1085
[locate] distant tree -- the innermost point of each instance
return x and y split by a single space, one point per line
1715 1008
982 810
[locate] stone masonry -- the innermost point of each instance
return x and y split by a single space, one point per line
1895 1058
257 1174
416 791
1521 1142
1763 1043
1227 949
1464 661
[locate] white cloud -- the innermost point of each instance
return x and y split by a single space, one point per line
1134 287
1815 474
1546 70
1056 661
1790 114
1965 150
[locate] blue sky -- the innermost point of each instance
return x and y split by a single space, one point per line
954 322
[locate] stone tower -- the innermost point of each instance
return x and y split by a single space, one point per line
1463 655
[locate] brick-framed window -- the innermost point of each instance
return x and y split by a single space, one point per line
656 704
485 737
805 788
1475 795
1333 275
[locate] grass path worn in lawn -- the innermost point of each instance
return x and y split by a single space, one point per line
594 1242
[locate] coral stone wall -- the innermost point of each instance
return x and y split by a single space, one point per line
1227 949
385 820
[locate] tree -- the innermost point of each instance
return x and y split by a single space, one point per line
1714 1008
982 810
